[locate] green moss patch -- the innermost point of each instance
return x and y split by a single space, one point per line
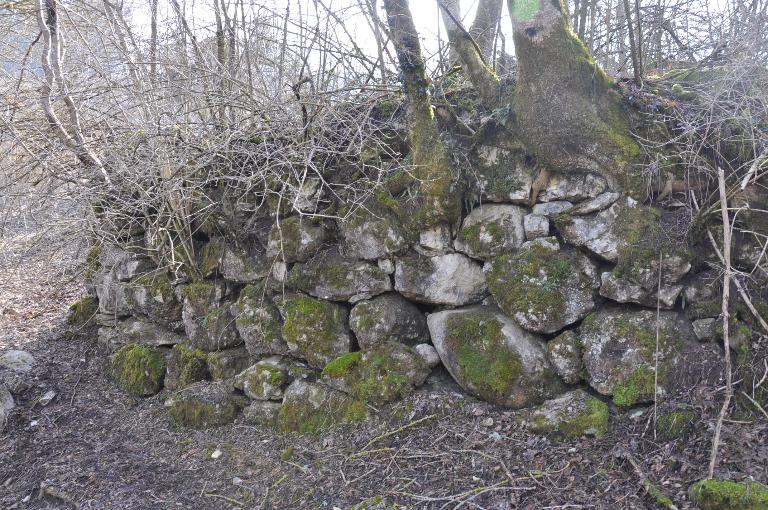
317 408
138 370
728 495
191 365
82 312
315 328
674 425
638 387
482 355
593 421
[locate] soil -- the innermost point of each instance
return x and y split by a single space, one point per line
94 447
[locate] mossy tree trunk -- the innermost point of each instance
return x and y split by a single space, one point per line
440 201
485 81
567 111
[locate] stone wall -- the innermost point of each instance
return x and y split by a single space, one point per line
302 321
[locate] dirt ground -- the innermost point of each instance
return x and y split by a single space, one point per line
93 447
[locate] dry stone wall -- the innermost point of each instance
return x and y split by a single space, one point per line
302 322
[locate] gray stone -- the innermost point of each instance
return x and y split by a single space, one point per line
564 353
428 353
295 239
371 233
240 265
18 361
205 405
114 296
543 290
386 265
385 373
620 355
185 366
388 317
213 331
599 203
262 413
625 291
137 331
502 175
258 322
436 240
132 267
330 276
267 379
227 363
550 209
311 407
705 329
548 243
535 225
313 329
6 405
279 271
572 415
492 358
490 230
450 279
573 187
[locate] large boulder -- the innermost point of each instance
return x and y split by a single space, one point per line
138 370
620 358
382 374
328 275
205 405
450 279
314 329
491 230
572 415
295 239
371 232
258 322
543 289
492 357
311 407
388 317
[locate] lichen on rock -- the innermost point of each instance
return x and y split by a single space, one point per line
258 322
573 414
491 230
388 317
205 405
185 366
311 407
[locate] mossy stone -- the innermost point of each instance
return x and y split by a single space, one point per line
204 405
82 312
186 366
312 407
728 495
572 415
139 370
315 329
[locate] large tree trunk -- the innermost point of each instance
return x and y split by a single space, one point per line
439 201
566 110
485 27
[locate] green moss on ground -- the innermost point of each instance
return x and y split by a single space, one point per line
138 370
482 355
728 495
593 421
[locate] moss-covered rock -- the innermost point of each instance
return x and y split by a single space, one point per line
729 495
564 353
153 295
82 312
185 366
295 239
314 329
492 358
371 231
491 230
388 317
258 322
312 407
213 331
328 275
572 186
267 379
384 373
501 175
204 405
544 290
138 370
620 349
574 414
227 363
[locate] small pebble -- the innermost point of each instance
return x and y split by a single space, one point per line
216 454
488 422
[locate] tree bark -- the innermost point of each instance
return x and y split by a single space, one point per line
439 201
485 26
567 111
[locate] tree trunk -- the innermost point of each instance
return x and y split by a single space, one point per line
439 201
485 26
480 74
567 111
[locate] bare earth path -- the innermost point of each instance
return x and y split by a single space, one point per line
93 447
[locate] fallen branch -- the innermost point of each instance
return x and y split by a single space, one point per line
397 431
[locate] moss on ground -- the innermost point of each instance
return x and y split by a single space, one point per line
138 370
728 495
593 421
482 354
